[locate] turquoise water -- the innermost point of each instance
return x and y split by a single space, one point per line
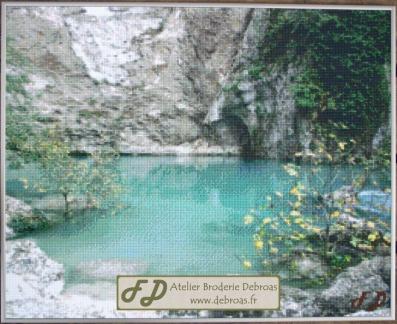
182 215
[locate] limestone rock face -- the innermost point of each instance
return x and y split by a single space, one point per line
260 107
35 289
134 79
150 80
30 274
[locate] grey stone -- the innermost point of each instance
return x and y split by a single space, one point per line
370 276
382 312
30 274
310 267
296 302
34 288
375 201
19 217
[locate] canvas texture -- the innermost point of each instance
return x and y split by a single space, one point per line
195 141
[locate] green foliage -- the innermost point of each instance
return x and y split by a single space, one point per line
14 57
310 98
94 180
21 224
19 131
343 55
91 113
255 71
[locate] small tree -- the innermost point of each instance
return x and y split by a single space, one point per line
94 180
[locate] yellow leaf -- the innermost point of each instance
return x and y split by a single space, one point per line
248 219
335 214
273 250
259 245
365 247
373 236
351 160
297 204
247 264
25 183
316 230
295 213
295 191
267 220
290 169
371 224
298 221
342 145
287 221
340 227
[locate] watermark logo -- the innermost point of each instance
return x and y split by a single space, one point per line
198 292
160 288
379 300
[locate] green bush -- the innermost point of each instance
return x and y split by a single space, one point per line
21 223
342 55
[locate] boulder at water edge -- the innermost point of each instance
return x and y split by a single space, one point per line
20 218
370 276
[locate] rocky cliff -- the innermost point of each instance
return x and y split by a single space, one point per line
156 80
152 80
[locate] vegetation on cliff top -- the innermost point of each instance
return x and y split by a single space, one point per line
344 56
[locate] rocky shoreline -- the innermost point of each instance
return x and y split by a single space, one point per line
35 287
29 270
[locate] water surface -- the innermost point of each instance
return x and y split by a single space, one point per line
182 215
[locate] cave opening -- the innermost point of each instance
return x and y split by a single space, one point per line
241 135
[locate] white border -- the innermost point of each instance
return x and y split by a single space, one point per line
200 5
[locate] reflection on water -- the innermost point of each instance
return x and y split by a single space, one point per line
183 215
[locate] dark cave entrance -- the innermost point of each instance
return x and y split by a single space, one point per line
242 136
